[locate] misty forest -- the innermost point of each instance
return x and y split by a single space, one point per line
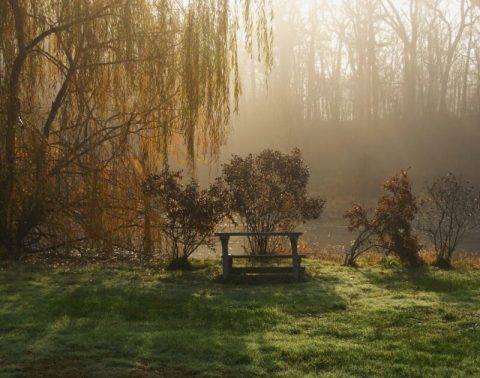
236 188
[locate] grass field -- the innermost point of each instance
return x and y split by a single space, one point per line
371 321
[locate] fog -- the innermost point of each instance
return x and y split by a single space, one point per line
365 88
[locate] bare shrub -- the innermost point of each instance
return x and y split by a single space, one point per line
367 232
450 208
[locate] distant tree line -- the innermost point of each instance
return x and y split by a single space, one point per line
372 60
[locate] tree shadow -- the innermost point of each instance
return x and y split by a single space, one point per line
451 286
260 279
184 324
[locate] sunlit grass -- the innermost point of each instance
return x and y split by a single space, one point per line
372 321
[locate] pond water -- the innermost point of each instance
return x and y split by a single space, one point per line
328 233
332 235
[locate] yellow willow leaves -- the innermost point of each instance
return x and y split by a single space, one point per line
91 90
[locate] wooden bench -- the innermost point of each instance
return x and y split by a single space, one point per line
227 259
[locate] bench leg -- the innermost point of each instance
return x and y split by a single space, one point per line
295 258
227 262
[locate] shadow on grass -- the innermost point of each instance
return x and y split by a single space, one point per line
261 279
194 297
109 321
451 286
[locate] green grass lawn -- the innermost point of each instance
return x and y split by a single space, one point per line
371 321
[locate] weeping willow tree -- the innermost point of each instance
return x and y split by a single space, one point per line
94 95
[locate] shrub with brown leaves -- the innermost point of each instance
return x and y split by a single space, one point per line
189 214
389 227
268 192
